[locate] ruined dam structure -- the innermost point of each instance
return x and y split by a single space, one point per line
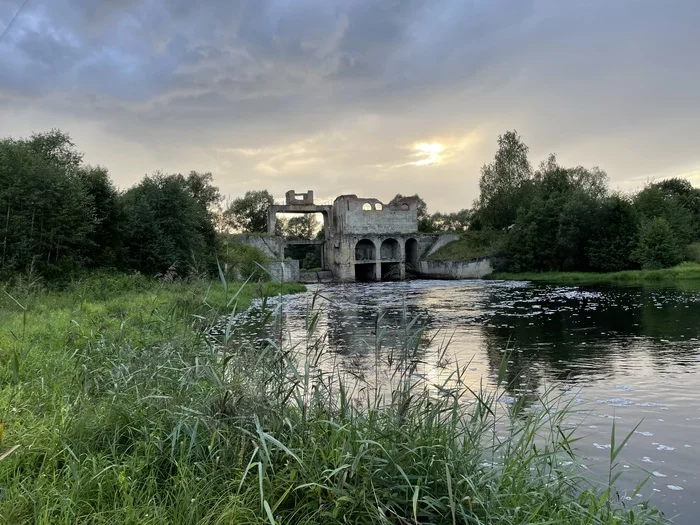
364 239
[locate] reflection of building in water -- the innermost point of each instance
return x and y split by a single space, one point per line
365 329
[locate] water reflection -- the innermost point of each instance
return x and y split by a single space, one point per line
627 354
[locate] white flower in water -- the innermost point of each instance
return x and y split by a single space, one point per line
674 487
659 474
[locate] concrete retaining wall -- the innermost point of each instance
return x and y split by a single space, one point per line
474 269
271 246
442 240
284 271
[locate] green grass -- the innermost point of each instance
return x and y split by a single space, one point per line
683 272
470 245
117 409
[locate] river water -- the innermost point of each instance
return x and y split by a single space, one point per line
628 354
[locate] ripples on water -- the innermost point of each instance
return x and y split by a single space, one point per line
624 354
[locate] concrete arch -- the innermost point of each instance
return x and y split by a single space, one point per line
365 250
390 249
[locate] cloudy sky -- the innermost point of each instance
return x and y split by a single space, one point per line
372 97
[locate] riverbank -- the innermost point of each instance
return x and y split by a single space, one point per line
685 271
115 409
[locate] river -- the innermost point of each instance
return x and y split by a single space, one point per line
623 354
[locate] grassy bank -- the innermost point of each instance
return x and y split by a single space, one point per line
470 245
683 272
116 409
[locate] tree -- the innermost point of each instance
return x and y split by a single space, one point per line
657 248
616 233
166 225
249 213
555 224
301 227
57 148
201 187
104 245
503 182
47 215
451 222
676 201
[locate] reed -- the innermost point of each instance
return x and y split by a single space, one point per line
126 409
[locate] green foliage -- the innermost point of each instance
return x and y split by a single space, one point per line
503 183
692 252
554 230
610 248
167 225
676 201
451 222
47 216
242 260
658 246
123 413
686 271
563 219
470 245
103 247
248 214
301 227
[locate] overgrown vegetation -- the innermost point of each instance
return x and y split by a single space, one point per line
686 271
565 219
117 408
470 245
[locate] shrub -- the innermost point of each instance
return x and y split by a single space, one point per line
241 260
657 247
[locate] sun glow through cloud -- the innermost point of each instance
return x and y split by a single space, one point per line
430 151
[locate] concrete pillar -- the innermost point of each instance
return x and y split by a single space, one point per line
378 257
402 258
271 220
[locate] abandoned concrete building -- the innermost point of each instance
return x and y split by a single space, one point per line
364 239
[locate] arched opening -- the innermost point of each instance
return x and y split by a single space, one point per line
390 250
365 261
412 256
367 206
365 251
378 206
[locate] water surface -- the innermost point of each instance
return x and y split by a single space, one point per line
625 354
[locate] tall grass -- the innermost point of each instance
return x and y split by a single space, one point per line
125 411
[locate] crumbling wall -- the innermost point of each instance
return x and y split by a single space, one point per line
271 246
284 271
357 215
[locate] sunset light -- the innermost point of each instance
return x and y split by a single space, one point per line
430 151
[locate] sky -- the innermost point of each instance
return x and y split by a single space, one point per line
357 96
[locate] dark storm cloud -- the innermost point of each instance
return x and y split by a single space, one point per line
335 94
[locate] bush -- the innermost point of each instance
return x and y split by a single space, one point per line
242 261
657 247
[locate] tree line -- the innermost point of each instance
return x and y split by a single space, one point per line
59 216
558 218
